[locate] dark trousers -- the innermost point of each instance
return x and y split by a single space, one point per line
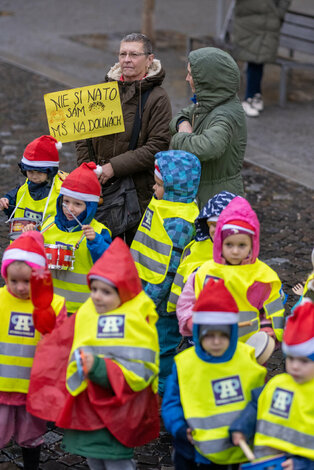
254 75
31 456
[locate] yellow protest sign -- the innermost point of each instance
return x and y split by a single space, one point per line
89 111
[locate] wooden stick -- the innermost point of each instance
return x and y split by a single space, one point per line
246 450
245 323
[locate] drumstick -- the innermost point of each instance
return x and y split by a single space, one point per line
245 323
246 450
71 213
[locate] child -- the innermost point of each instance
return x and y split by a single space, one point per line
112 407
74 227
210 384
18 344
253 284
36 198
195 254
164 231
308 289
282 416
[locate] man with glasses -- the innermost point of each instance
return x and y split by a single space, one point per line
139 76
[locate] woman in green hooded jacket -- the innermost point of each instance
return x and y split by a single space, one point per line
214 127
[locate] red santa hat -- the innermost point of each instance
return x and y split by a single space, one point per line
157 171
42 152
235 227
82 183
298 337
215 305
28 247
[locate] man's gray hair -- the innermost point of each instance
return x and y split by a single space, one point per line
138 37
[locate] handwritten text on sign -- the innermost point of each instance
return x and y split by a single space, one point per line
84 112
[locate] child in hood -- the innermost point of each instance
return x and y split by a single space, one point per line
195 254
36 198
75 228
254 285
106 400
163 233
18 343
210 384
280 417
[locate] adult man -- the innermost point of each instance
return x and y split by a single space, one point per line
214 128
137 72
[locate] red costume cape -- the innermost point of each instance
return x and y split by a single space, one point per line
132 417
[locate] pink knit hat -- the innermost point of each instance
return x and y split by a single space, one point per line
82 183
28 247
42 152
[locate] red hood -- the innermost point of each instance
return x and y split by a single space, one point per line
238 209
117 265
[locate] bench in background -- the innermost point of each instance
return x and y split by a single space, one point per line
296 36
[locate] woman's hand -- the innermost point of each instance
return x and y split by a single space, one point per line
89 232
185 126
107 173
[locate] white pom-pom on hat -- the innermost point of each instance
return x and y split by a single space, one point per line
59 145
98 170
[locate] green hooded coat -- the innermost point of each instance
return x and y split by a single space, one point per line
218 123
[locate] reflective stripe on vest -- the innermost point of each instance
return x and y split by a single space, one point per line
71 284
177 282
126 335
209 410
238 280
152 247
285 417
18 340
34 208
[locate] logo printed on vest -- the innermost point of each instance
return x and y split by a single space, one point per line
33 215
281 402
147 219
228 390
110 326
21 324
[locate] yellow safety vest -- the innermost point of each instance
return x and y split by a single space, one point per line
310 278
127 335
71 284
152 247
212 397
285 418
237 280
37 210
194 255
18 340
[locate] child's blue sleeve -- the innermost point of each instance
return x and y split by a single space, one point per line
301 463
171 409
181 233
99 245
11 196
246 422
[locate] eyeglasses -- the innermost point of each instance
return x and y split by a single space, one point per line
132 55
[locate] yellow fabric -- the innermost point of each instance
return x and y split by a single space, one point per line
238 279
127 335
213 395
194 255
310 278
18 340
285 417
152 247
71 284
34 209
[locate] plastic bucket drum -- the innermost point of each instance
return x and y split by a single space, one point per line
16 226
60 257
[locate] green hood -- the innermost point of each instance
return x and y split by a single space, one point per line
216 76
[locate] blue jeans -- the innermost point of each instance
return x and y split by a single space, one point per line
254 75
